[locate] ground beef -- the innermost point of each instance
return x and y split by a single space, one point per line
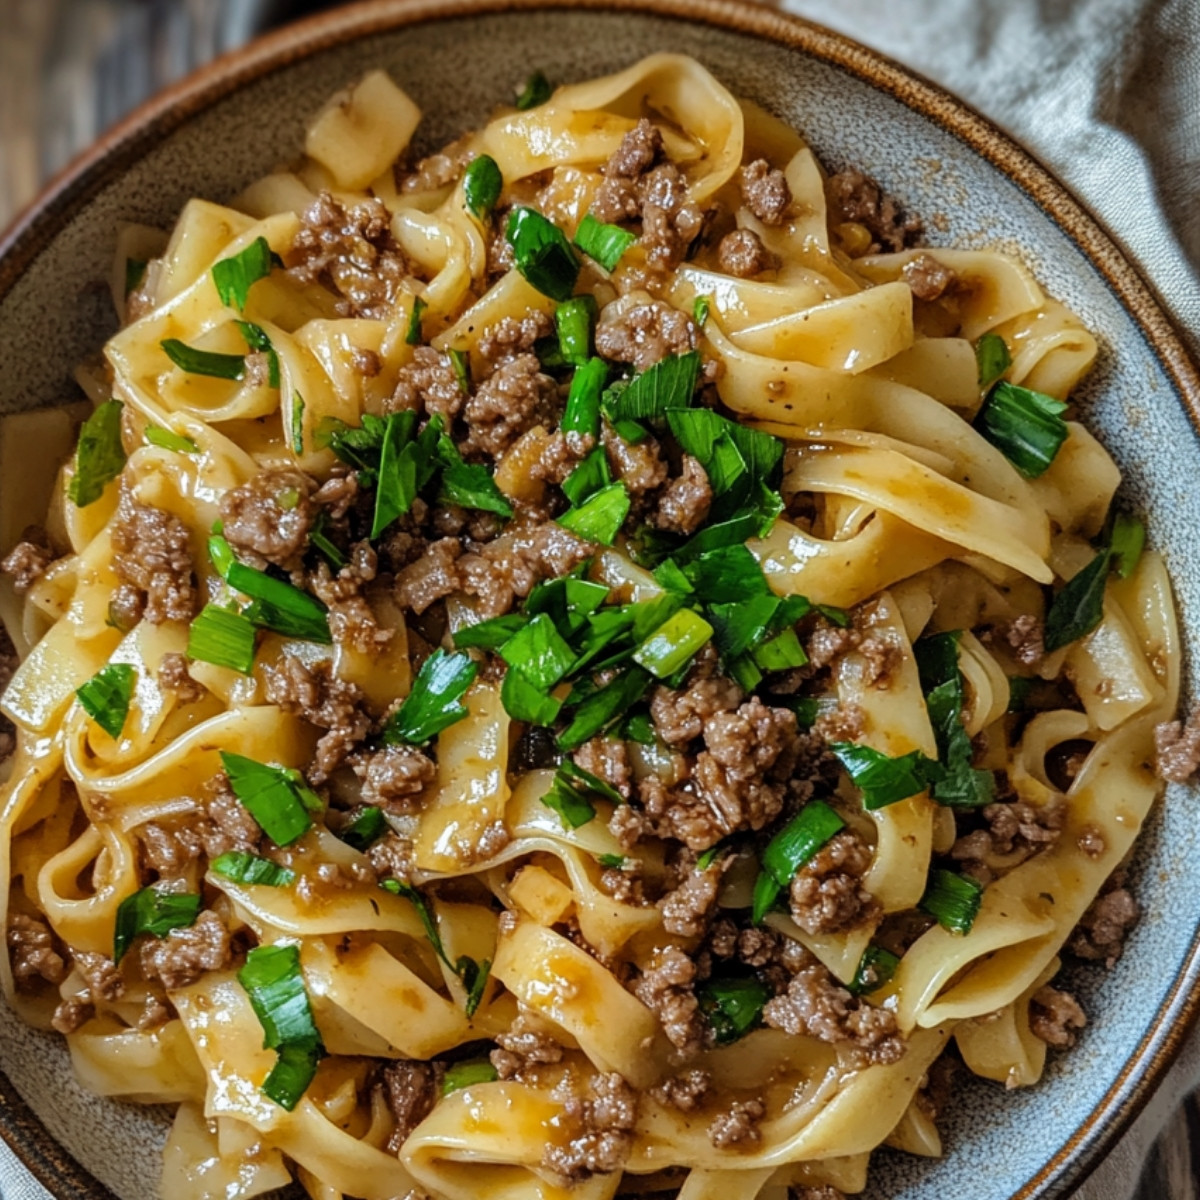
34 951
667 988
321 698
218 824
607 758
269 518
523 1046
366 362
394 777
561 454
855 197
101 975
1024 635
680 716
411 1090
511 401
28 560
439 170
1100 934
687 909
684 1092
737 1125
1177 747
511 336
827 894
153 557
430 385
432 577
828 642
617 198
351 251
638 465
73 1014
391 857
765 191
624 883
927 278
173 677
743 254
1091 842
644 334
351 620
184 955
684 503
628 825
846 723
1054 1016
602 1124
1015 831
816 1005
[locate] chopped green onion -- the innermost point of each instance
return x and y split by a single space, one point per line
234 276
668 384
435 701
250 869
223 638
782 653
569 600
474 978
536 92
605 243
397 485
490 634
602 707
542 253
612 862
710 856
571 770
135 272
106 696
319 542
582 413
1024 425
461 362
482 184
1079 607
155 912
368 826
525 701
570 803
297 423
256 339
1127 541
799 840
466 1074
413 336
733 1006
469 485
574 320
700 310
600 517
275 984
726 575
883 780
204 362
727 450
953 900
273 796
765 896
1019 689
992 358
538 651
875 970
673 643
166 439
589 477
99 457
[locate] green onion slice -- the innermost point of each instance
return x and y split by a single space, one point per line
106 696
605 243
992 358
673 643
249 868
99 457
542 253
668 384
234 276
435 701
600 517
466 1074
953 900
1024 425
223 638
536 92
152 911
733 1006
482 184
276 797
167 439
1079 606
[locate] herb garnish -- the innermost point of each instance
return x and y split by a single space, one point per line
435 701
482 184
241 867
99 457
222 637
1024 425
276 797
542 253
152 911
605 243
234 276
106 696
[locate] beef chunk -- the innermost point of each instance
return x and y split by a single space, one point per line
601 1124
429 384
101 975
1015 831
34 951
684 1092
638 465
765 191
737 1125
512 336
173 677
229 825
607 758
855 197
269 518
324 700
392 857
1100 934
394 777
411 1090
828 642
667 988
1024 635
680 716
351 621
439 170
617 198
29 559
523 1046
847 723
1055 1016
815 1004
742 253
684 503
1091 842
73 1014
827 894
927 278
432 577
153 557
687 909
351 251
511 401
644 334
184 955
1178 749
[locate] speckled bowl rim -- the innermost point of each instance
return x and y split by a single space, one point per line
69 192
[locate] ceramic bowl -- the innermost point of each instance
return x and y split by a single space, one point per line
230 123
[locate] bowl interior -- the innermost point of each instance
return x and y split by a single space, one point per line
457 68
